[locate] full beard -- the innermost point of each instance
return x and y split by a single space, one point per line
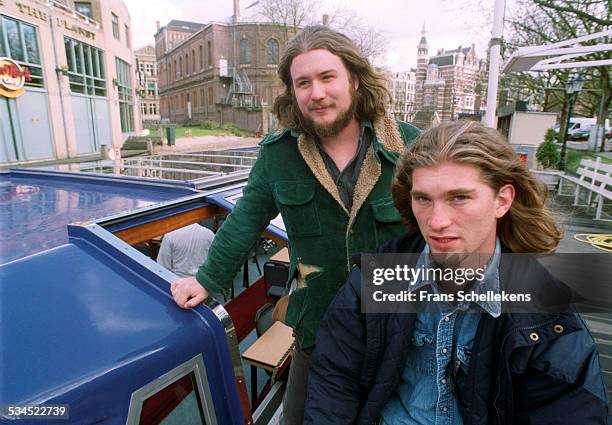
325 130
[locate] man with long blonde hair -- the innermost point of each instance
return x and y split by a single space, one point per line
328 171
456 350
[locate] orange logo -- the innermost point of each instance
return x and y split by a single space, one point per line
12 78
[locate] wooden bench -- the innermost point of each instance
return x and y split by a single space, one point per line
595 177
271 352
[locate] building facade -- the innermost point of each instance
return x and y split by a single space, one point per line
451 84
403 91
221 72
76 60
147 88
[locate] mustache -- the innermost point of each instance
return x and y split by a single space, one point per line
321 104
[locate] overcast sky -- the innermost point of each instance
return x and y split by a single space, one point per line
449 23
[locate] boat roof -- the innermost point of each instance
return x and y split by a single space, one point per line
36 206
95 323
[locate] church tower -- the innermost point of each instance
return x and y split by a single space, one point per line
421 73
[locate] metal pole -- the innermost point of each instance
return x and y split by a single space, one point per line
601 128
494 61
570 107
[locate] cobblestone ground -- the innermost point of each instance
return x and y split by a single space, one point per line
194 144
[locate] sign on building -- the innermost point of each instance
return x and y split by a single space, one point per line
12 78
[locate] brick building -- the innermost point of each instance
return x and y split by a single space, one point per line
450 84
147 84
222 72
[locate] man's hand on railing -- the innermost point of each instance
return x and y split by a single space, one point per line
187 292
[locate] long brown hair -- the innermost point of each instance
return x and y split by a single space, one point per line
372 93
528 226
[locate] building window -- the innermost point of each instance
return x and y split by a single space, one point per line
115 20
124 87
193 62
210 61
85 68
202 100
201 57
19 42
186 64
272 51
245 52
211 100
84 8
151 89
127 36
180 68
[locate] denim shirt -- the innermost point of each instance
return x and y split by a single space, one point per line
441 348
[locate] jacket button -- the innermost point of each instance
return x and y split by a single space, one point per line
558 329
534 336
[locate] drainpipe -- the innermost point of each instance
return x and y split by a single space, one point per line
61 84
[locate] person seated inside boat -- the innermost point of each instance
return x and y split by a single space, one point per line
183 250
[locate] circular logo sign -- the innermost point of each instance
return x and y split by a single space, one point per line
12 78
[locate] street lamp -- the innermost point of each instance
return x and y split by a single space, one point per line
572 88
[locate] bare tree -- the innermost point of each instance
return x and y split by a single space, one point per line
297 13
371 41
549 21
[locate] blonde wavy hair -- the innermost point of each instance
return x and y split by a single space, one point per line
372 93
529 225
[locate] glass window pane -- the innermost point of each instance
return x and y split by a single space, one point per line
272 51
2 53
36 74
115 22
101 61
177 403
79 57
31 44
14 39
86 64
83 8
96 63
68 49
86 60
245 53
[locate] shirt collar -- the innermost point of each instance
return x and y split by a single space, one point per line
490 281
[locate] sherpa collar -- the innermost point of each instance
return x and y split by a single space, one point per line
388 141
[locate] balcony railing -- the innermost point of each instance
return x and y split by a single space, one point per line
75 14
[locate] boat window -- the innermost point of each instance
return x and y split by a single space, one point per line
178 403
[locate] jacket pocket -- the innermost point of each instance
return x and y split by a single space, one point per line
298 207
387 220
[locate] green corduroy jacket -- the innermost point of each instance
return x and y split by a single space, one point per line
290 177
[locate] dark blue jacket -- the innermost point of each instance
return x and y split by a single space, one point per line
512 379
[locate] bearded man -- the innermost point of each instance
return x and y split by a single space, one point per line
328 172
